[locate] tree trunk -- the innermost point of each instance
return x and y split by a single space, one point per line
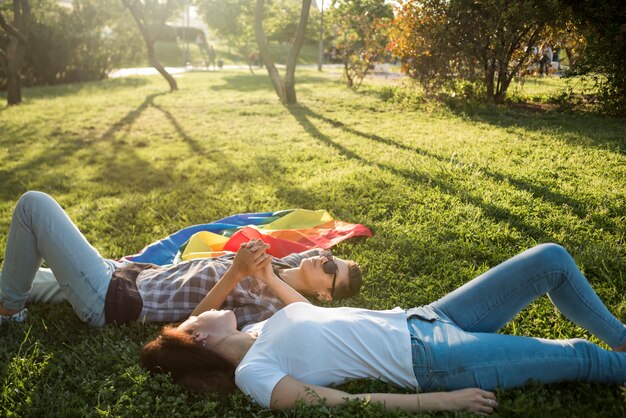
14 55
290 80
286 90
138 15
14 88
347 72
261 40
489 81
503 85
152 59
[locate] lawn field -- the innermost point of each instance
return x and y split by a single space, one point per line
448 192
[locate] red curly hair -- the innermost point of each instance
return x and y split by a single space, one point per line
190 364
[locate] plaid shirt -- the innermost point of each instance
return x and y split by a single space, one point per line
171 293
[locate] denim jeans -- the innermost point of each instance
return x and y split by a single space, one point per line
41 230
45 288
454 339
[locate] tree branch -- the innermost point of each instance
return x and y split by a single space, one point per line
5 59
137 14
11 30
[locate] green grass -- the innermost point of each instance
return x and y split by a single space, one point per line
447 192
172 54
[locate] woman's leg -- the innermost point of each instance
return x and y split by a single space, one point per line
40 229
45 288
488 302
446 357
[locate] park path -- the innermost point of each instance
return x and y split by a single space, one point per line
332 68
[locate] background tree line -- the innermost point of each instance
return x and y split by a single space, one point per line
480 45
71 45
487 43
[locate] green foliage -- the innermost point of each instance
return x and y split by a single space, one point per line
80 44
361 35
602 22
488 42
233 21
447 192
406 98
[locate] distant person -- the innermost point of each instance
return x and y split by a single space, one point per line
254 59
557 51
549 54
204 51
545 63
212 55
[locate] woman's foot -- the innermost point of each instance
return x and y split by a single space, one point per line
18 316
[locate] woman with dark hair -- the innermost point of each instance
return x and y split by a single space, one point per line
450 345
104 291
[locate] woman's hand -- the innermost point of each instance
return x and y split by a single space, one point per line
266 274
251 258
473 399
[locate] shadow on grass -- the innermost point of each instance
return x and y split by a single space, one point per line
586 130
287 188
536 189
117 163
126 167
304 116
131 116
245 83
258 81
90 87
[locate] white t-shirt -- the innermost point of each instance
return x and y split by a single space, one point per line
327 346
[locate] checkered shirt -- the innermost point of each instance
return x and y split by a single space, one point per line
171 293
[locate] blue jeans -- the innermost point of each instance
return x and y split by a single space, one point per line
41 230
454 339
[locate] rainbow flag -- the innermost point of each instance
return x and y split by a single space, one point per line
287 232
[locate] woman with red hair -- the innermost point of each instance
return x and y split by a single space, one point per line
449 351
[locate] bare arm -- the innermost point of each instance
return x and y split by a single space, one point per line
289 390
285 293
250 259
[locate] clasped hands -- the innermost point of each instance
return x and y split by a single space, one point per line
253 260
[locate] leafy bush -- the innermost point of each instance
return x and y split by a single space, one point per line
79 44
404 97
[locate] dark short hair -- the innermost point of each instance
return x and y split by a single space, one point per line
190 364
354 283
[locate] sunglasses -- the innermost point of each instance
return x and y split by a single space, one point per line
330 267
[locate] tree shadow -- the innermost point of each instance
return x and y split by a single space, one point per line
88 87
304 116
583 129
36 170
118 163
258 82
125 167
130 117
536 189
244 83
287 189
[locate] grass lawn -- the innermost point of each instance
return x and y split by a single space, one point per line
172 54
447 192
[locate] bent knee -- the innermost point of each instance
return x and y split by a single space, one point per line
551 252
33 198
